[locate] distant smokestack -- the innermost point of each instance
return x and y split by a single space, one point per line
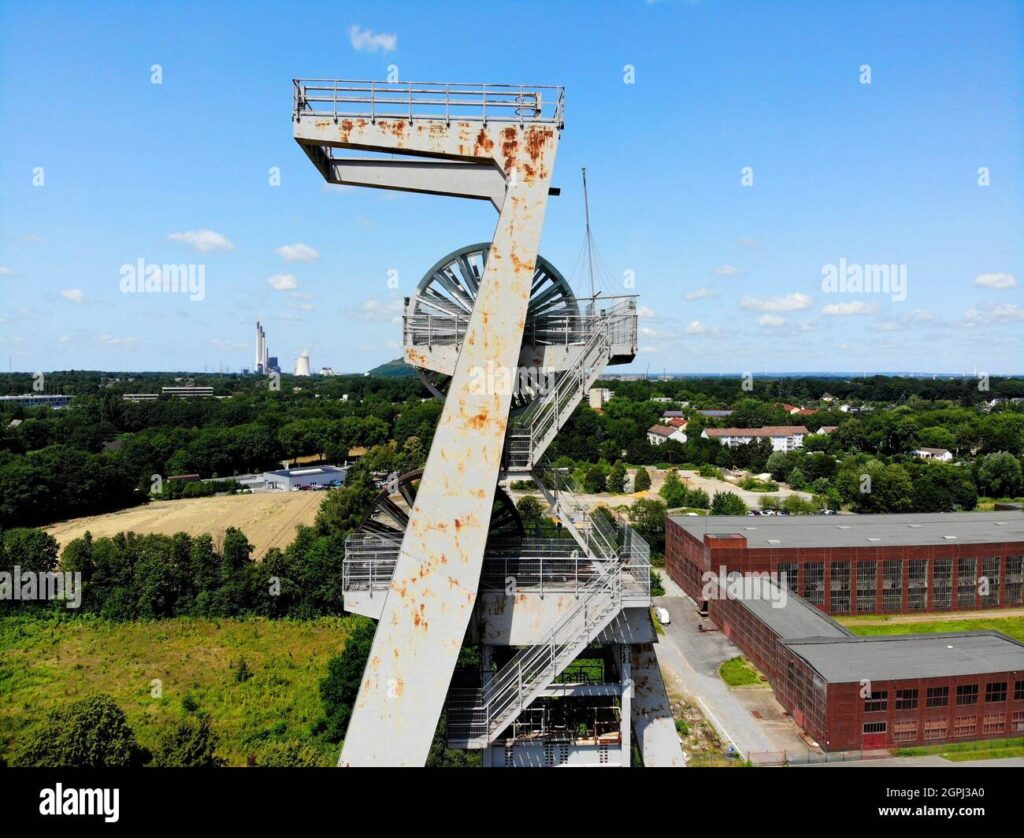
302 364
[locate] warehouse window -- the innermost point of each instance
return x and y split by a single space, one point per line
878 702
1014 574
917 585
993 723
814 583
935 728
839 583
906 699
874 727
905 731
990 576
995 691
965 725
866 586
967 694
966 582
942 579
937 697
1018 691
892 585
1018 721
788 571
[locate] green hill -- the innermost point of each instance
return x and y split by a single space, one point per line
393 369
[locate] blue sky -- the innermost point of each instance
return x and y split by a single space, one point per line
729 276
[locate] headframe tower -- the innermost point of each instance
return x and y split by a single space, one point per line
486 312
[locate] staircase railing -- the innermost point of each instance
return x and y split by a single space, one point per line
486 713
532 429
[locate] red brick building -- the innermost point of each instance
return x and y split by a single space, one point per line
846 692
863 564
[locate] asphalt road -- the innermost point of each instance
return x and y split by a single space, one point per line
690 659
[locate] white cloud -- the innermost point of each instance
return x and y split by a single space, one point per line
282 282
364 40
770 321
218 343
203 240
695 327
996 281
113 340
297 252
5 271
848 309
644 311
920 315
647 332
750 241
1004 313
790 302
700 294
303 306
727 270
76 295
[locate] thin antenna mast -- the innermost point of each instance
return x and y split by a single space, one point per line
590 243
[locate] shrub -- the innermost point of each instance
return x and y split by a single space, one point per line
91 733
642 480
189 744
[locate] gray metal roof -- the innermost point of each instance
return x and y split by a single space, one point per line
906 656
791 617
861 530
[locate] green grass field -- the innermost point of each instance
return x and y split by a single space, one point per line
963 751
737 672
1010 626
150 667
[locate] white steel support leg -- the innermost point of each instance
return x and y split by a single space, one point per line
435 584
626 704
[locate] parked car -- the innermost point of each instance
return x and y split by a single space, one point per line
663 616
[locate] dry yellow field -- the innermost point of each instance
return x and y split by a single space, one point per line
268 519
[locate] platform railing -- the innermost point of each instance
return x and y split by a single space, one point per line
617 315
413 100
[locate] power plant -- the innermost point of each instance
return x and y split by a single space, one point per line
560 667
302 364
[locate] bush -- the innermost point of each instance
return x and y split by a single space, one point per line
287 754
617 477
190 744
709 471
726 503
91 733
752 484
642 480
594 481
698 499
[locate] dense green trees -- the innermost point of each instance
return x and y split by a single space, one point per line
338 690
999 475
91 733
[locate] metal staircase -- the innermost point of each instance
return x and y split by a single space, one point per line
532 429
477 717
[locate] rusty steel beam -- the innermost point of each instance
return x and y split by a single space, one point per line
434 589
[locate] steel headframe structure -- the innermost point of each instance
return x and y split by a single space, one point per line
489 142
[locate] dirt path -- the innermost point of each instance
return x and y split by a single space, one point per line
268 519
